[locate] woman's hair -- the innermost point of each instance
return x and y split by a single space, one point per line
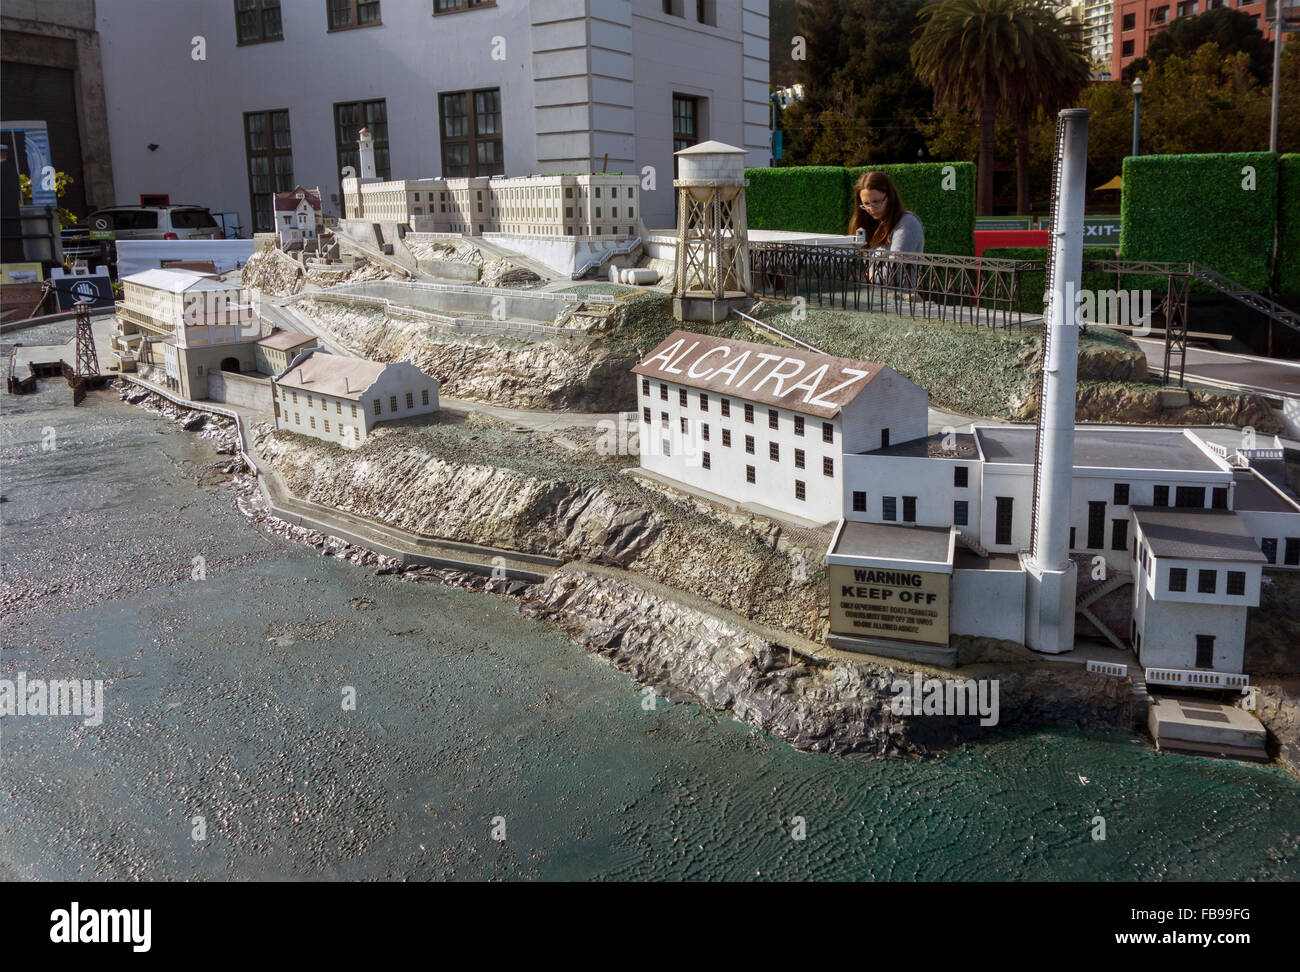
878 230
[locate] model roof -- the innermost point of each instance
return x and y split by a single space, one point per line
177 281
1101 448
284 340
332 374
801 381
961 445
891 541
288 201
1197 534
1256 492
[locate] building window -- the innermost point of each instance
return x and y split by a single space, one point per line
726 438
1236 582
749 475
1190 497
798 425
269 152
1219 498
704 402
1187 8
681 397
704 431
686 122
749 414
706 13
1096 525
1292 555
327 425
798 458
1178 579
960 513
889 508
1130 21
257 21
392 403
297 418
726 408
1002 520
1126 49
828 432
1121 494
859 501
349 118
706 461
376 406
309 401
961 476
771 418
684 426
828 466
884 438
1159 15
471 133
1207 581
1268 546
663 419
1160 496
1204 651
295 398
663 392
645 415
410 399
645 387
338 408
1119 534
424 398
909 509
451 6
800 491
774 452
749 444
312 419
353 13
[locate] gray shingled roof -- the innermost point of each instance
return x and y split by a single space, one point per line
1197 534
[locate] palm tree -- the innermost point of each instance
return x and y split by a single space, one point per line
982 55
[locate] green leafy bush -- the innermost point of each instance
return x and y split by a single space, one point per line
1200 207
1288 228
804 198
1033 283
948 215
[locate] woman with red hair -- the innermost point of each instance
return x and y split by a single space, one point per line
881 222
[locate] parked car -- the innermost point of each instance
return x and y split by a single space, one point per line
156 223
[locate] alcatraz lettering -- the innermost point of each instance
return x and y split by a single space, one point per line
777 370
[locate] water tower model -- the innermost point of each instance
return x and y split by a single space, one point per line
712 233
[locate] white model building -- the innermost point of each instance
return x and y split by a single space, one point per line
340 399
765 426
297 214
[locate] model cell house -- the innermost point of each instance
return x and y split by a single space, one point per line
767 427
340 399
297 214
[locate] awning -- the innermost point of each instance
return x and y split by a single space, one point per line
1113 184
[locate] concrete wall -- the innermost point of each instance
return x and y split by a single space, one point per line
889 401
1276 526
929 480
988 604
240 389
1169 631
578 79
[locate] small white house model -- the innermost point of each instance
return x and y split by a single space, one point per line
767 427
297 213
340 399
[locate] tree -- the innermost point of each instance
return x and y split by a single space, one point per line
1229 30
862 102
970 52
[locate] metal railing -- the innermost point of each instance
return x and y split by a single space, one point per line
467 325
971 290
1193 678
1108 668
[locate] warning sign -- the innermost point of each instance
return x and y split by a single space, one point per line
876 602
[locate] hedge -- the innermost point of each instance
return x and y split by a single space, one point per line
816 199
1196 207
1288 224
948 215
1033 283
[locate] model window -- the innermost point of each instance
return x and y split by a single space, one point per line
889 508
1178 579
749 444
424 397
726 438
798 458
681 397
1236 582
1268 546
663 391
376 406
645 415
884 438
1219 499
295 398
269 152
909 509
1207 581
1002 520
309 401
726 407
859 501
1190 497
664 446
960 513
663 419
645 386
749 475
338 407
774 452
1291 556
312 419
683 420
1121 494
257 21
1204 651
1160 496
392 403
706 461
828 432
828 466
1096 525
749 413
1119 534
960 476
800 491
471 133
327 425
771 418
353 13
798 425
704 431
704 402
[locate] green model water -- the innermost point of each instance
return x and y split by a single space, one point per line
226 750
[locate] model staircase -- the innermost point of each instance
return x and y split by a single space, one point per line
1244 295
1092 595
971 543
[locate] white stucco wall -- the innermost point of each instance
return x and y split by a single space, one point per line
989 604
1169 631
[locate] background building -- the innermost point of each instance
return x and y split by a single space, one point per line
276 93
1137 21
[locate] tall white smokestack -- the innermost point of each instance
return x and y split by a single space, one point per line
366 153
1050 603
